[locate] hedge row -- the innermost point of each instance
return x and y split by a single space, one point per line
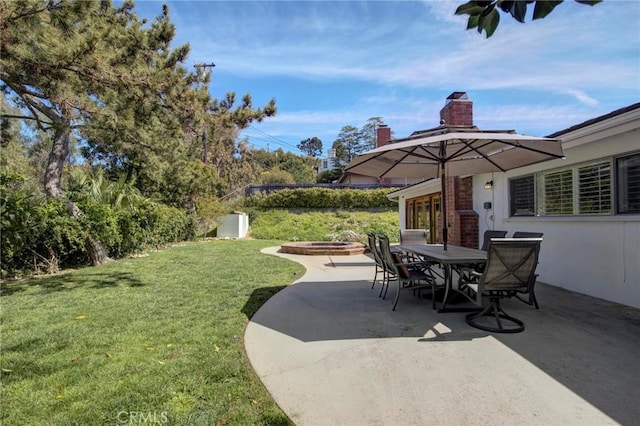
322 198
39 235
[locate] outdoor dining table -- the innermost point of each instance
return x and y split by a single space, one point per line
454 255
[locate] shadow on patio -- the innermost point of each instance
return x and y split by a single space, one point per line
587 346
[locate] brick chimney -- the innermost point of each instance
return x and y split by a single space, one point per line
383 134
458 110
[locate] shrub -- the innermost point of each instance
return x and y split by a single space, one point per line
20 224
151 225
314 225
38 234
101 221
62 239
322 198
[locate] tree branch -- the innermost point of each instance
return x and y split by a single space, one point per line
49 6
25 117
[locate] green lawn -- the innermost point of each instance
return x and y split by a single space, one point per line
151 339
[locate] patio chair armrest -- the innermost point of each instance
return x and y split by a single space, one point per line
476 274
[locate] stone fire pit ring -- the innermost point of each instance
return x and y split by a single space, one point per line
323 248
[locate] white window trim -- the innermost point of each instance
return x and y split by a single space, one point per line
539 177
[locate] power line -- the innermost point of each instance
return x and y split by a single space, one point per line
273 138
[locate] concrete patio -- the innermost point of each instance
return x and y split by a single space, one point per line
331 352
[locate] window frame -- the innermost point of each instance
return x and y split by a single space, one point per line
531 208
617 186
579 189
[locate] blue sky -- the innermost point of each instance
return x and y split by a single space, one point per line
331 64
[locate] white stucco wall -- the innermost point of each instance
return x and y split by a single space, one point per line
594 255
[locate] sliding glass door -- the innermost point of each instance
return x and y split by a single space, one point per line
423 213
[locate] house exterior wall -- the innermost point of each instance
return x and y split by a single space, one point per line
594 255
329 162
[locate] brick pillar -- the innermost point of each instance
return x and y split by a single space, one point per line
467 225
464 193
458 110
450 188
462 219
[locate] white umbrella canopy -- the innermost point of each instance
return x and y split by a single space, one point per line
462 151
465 153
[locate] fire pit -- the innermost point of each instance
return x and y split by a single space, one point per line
326 248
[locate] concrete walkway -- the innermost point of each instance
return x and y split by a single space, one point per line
331 352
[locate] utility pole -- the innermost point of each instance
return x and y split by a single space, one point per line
204 66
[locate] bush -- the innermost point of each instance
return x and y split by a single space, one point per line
151 225
101 222
313 225
38 234
322 198
62 239
20 222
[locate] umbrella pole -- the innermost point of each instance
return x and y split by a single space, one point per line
443 193
443 209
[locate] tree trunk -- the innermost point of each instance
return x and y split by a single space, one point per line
55 165
94 247
53 187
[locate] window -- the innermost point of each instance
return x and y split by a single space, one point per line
582 189
555 193
628 183
594 183
521 191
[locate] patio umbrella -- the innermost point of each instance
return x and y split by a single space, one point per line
461 150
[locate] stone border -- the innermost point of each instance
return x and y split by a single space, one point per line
326 248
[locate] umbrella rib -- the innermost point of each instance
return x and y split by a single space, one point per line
516 144
539 151
406 154
471 148
367 160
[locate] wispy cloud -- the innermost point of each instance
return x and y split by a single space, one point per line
582 97
400 59
524 57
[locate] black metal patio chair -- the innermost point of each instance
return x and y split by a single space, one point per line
530 293
511 264
466 271
414 236
408 275
377 256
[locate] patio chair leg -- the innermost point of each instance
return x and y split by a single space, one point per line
433 293
375 278
532 297
495 310
530 301
384 282
385 286
395 302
